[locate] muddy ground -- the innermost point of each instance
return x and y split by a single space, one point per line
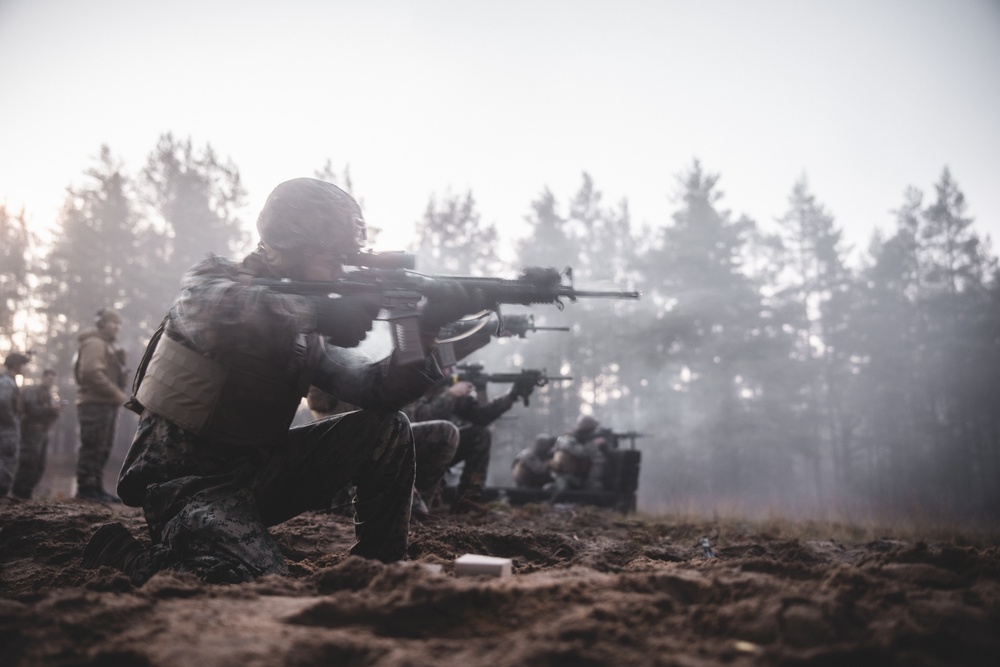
590 587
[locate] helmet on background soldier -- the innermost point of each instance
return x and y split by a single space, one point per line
585 425
307 213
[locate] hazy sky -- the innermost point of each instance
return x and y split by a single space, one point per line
864 97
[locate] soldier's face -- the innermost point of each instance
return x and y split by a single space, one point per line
112 328
322 266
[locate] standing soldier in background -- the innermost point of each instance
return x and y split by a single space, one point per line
11 409
41 409
101 376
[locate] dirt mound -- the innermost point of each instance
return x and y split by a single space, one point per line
590 587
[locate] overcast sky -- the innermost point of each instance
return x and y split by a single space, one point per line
864 97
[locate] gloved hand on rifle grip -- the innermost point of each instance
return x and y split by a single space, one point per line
344 321
450 302
522 390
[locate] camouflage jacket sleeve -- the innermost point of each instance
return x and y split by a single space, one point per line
8 400
38 405
384 385
567 443
470 410
216 312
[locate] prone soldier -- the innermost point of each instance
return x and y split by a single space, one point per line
531 467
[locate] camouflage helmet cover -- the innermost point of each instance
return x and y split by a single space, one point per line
586 424
310 213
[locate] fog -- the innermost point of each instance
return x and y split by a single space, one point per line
768 369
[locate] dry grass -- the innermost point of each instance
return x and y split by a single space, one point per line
733 522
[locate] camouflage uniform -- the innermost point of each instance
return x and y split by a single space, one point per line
101 375
208 501
475 439
435 443
40 412
579 459
10 433
530 468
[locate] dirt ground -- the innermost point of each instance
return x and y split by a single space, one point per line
590 587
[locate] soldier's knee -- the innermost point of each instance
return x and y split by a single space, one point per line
397 422
386 424
393 433
452 435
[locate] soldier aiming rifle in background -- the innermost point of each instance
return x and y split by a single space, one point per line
464 401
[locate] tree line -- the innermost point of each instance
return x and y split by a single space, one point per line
765 369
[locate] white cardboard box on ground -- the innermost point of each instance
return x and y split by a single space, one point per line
473 564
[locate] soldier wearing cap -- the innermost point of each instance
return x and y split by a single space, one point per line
214 462
11 410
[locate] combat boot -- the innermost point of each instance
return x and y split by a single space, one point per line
114 546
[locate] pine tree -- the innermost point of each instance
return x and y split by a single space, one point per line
192 197
817 292
14 288
452 239
712 337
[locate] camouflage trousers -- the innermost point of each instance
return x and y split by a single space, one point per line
9 443
98 423
216 525
31 459
474 449
435 443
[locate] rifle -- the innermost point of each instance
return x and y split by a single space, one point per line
466 335
519 325
507 325
474 373
400 291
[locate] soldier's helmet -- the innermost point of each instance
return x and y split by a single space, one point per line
586 424
307 213
543 445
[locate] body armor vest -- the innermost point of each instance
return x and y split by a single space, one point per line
234 399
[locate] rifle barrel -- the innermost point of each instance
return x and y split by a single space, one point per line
609 294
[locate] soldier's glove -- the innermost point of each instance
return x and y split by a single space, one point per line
345 321
523 388
449 302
